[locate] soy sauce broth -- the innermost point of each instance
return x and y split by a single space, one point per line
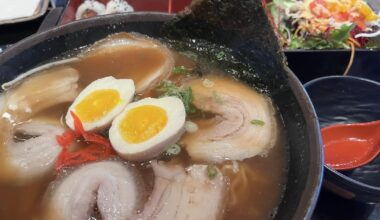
260 188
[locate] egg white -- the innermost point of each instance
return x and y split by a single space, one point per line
126 89
154 146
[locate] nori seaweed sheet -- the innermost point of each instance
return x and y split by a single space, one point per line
239 29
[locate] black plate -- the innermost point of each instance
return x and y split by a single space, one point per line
311 64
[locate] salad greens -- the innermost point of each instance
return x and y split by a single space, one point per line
325 24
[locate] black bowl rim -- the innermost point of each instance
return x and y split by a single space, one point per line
339 176
348 51
312 188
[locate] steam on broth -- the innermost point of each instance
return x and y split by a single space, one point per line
171 142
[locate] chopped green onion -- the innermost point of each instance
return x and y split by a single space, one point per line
105 133
173 150
208 83
180 70
221 55
136 98
191 127
211 171
169 88
217 98
257 122
187 99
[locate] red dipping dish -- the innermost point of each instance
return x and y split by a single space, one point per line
170 6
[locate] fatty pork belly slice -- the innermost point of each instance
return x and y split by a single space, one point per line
129 55
114 187
181 194
39 92
231 132
33 157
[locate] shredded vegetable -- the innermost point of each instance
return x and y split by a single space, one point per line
325 24
98 147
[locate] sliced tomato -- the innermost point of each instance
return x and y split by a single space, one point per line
360 22
318 9
341 16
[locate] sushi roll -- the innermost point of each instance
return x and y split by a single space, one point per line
118 6
90 8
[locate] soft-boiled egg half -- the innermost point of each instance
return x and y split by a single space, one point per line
100 102
147 127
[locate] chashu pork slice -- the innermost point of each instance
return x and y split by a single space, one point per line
41 91
29 146
181 194
242 124
127 55
115 188
32 157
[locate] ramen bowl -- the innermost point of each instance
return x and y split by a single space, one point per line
304 151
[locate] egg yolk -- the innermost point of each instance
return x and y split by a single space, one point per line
142 123
97 104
